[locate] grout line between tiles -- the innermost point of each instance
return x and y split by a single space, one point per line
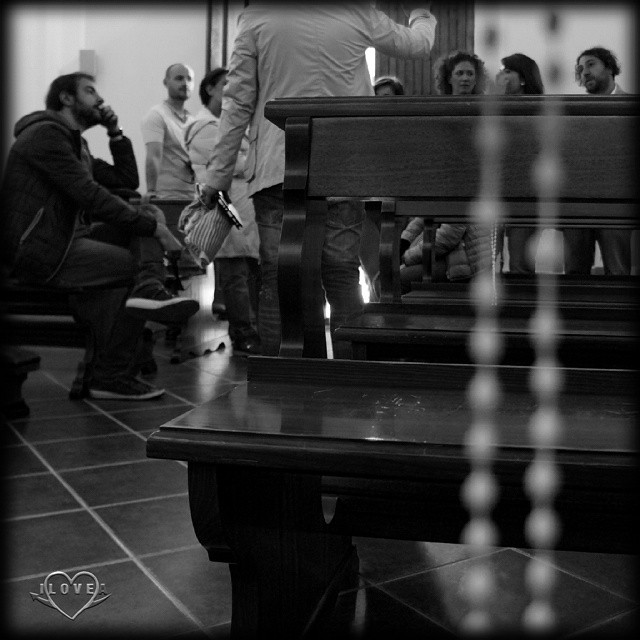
177 603
590 581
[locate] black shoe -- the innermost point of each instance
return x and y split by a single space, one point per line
161 306
247 346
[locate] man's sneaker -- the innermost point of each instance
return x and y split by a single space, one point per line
124 388
161 306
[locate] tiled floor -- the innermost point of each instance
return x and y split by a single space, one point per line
80 495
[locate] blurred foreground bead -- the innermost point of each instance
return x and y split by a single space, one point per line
489 137
546 380
483 292
539 618
485 342
545 427
484 391
479 585
545 326
540 578
547 175
480 533
479 491
542 480
485 211
480 442
542 528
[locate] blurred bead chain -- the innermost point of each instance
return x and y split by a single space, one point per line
542 478
479 491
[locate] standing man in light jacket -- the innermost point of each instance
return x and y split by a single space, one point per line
303 51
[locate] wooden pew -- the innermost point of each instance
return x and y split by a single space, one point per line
384 443
416 156
285 469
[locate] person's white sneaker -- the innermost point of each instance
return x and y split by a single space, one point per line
161 306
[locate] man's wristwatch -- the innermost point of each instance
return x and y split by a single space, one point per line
115 134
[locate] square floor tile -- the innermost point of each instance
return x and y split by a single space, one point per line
45 409
617 573
56 542
36 494
39 385
440 595
201 393
151 526
203 586
382 559
18 460
149 417
626 625
230 368
72 426
169 376
370 614
101 450
135 607
130 481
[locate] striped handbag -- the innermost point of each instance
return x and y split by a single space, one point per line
206 229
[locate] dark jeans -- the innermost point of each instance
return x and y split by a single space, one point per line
340 266
109 263
580 247
239 278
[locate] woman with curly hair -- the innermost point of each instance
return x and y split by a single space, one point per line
460 73
461 250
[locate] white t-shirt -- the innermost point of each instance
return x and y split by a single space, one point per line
176 177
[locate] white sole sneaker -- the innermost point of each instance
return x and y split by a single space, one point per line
173 311
132 389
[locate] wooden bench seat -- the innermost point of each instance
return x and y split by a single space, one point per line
381 445
384 444
442 335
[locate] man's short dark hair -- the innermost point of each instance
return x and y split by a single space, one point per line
67 83
605 56
210 80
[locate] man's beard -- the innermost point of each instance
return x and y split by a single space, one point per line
596 87
86 116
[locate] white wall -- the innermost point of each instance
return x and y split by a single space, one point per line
133 45
521 29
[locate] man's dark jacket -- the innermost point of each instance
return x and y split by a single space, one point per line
46 187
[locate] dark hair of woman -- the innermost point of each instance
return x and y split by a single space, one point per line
528 71
446 64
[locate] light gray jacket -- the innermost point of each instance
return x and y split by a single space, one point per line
300 51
